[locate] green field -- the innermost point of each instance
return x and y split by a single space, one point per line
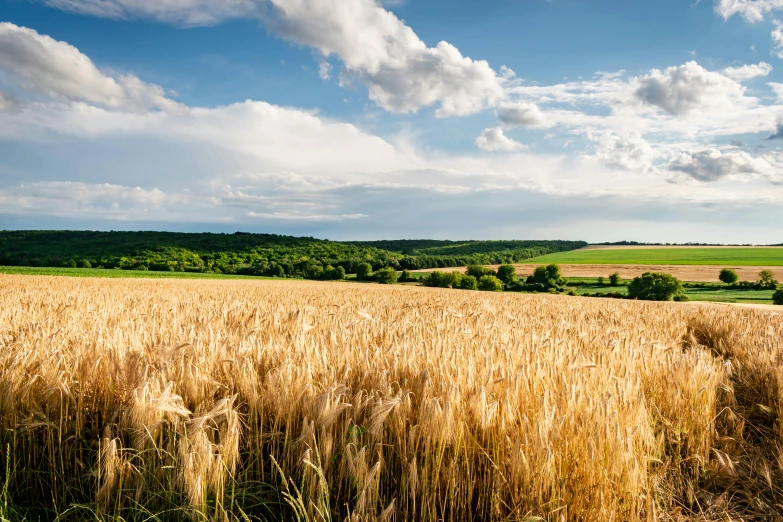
715 295
668 256
116 273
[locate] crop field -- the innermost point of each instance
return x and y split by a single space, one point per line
714 295
142 400
115 273
727 256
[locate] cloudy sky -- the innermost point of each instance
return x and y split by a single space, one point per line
359 119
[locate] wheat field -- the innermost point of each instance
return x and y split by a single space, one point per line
247 400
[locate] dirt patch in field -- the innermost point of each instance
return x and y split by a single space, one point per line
692 273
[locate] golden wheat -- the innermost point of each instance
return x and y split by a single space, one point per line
246 400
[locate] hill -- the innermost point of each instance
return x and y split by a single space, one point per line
252 254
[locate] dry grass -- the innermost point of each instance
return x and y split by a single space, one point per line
157 400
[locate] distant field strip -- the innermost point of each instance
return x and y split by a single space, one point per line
752 256
116 273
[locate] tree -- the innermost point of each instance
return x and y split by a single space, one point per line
406 277
334 274
468 282
653 286
548 276
601 281
386 276
614 279
777 297
478 271
364 271
490 283
728 276
70 263
84 263
507 273
767 278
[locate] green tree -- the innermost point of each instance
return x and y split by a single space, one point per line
479 271
767 278
468 282
406 277
364 271
84 263
70 263
654 286
490 283
614 279
386 276
728 276
777 297
507 273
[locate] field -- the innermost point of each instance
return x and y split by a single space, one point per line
268 400
716 256
714 295
116 273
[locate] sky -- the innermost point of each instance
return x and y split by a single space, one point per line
605 120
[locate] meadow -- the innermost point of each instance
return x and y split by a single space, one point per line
268 400
730 256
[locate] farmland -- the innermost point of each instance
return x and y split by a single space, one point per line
716 256
291 400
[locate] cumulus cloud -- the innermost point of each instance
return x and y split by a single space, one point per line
712 164
521 115
628 152
688 88
750 10
59 70
494 140
778 135
400 71
777 39
747 72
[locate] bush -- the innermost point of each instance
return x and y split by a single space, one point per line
767 279
681 298
479 271
70 263
405 277
507 274
386 276
490 283
468 283
549 276
614 279
728 276
333 274
84 263
364 271
653 286
443 279
601 281
777 297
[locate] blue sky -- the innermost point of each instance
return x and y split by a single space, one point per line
354 119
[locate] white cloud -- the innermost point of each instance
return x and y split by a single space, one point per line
712 164
493 140
777 39
751 10
59 70
324 70
689 88
401 72
747 72
521 115
629 152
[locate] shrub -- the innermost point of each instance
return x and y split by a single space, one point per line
386 276
549 276
468 283
70 263
479 271
601 281
364 271
728 276
84 263
406 277
767 278
507 274
334 274
653 286
681 298
777 297
490 283
443 279
614 279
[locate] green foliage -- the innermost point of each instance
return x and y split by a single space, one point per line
728 276
777 297
681 298
601 281
363 271
654 286
406 277
443 279
386 276
70 263
614 279
479 271
83 263
507 274
468 282
767 278
334 273
549 276
490 283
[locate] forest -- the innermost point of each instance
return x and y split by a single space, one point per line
246 253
